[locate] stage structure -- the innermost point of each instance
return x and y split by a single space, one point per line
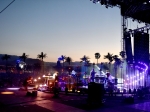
138 10
137 57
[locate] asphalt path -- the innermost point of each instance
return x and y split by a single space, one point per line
17 101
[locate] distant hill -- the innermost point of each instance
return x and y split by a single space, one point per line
12 61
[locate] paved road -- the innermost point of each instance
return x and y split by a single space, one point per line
45 102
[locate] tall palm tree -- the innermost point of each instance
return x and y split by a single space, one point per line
84 58
86 61
97 56
122 54
68 60
42 56
5 57
116 64
24 57
62 58
109 56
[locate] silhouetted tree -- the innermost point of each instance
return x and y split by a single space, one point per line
42 56
63 59
68 60
24 57
84 58
86 61
116 64
97 56
110 58
122 54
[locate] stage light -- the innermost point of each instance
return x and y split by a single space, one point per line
148 2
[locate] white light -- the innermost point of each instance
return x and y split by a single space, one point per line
13 88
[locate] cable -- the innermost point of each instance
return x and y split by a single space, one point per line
7 6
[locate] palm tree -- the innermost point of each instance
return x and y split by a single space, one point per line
5 57
122 54
68 60
97 56
24 57
86 61
63 57
110 58
42 56
116 64
84 58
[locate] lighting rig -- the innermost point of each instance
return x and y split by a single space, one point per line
136 9
142 29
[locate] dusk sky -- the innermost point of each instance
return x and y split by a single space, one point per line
72 28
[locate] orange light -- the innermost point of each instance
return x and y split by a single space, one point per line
7 92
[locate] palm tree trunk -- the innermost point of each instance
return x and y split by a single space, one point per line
43 66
